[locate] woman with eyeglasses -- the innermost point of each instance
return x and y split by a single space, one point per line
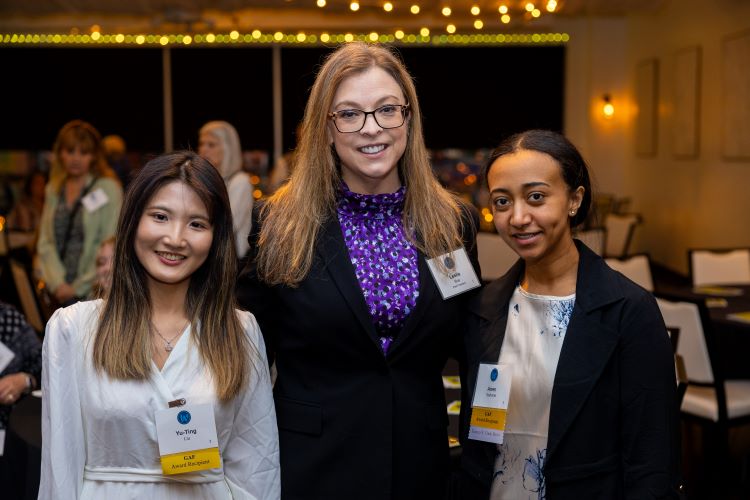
348 270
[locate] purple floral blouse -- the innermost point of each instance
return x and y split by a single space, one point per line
384 261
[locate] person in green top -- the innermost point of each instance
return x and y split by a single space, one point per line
81 207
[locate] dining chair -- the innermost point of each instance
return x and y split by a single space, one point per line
594 238
719 267
495 256
27 297
711 400
620 228
637 268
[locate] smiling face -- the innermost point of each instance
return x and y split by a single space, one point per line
369 158
174 235
532 205
210 148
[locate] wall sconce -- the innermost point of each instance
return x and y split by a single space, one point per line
608 109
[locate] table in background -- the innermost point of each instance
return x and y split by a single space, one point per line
732 336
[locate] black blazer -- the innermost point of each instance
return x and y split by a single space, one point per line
613 425
353 423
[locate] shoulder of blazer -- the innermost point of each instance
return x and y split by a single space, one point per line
598 285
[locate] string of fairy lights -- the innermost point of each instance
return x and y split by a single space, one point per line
506 12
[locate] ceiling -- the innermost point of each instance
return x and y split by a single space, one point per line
202 16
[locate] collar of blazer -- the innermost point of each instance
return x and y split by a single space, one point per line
588 346
334 257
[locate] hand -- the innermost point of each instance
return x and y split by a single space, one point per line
64 293
12 387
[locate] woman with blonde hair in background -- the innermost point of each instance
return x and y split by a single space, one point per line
161 390
82 201
220 144
341 280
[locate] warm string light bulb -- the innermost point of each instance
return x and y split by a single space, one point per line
608 109
387 6
451 28
551 6
446 11
321 3
478 24
475 10
354 6
503 9
414 9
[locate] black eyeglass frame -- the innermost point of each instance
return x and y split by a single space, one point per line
404 112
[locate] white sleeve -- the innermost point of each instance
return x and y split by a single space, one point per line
251 458
63 443
240 191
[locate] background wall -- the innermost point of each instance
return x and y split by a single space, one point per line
700 202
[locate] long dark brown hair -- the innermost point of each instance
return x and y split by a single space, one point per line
122 346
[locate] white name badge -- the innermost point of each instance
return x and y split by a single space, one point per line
6 356
489 407
458 275
187 439
2 442
95 199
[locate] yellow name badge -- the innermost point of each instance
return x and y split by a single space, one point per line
187 439
489 406
490 418
177 463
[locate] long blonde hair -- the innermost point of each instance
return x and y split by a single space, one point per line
293 216
122 345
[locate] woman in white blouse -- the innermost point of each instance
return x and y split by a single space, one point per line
167 334
219 143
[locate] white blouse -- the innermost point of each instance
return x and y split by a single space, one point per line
99 434
534 336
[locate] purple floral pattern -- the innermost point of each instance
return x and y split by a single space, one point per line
384 261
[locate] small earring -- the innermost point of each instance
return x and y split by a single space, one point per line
572 212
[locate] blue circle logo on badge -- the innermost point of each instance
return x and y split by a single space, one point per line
493 374
184 417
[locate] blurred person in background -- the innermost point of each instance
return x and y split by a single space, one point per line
20 366
104 258
220 145
82 203
115 153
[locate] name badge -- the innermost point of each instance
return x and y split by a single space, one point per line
187 439
95 199
457 276
6 356
489 406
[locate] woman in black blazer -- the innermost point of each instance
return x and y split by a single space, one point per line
592 410
340 283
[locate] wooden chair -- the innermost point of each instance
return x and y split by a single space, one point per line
595 238
637 268
719 267
620 229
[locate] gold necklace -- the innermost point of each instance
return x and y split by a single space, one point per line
168 343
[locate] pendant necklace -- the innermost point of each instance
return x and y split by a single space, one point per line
168 343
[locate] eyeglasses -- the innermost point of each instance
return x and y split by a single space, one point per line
353 120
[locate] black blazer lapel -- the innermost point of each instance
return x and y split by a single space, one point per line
335 258
587 348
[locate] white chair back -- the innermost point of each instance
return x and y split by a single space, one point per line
619 233
636 268
692 346
710 267
593 238
495 256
